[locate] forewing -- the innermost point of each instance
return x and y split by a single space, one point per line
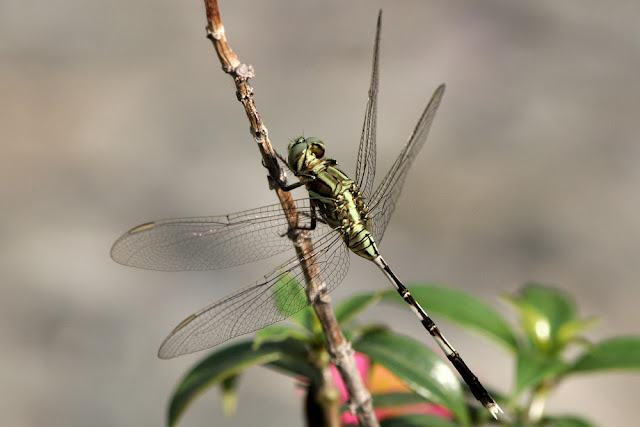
208 243
366 163
261 303
384 200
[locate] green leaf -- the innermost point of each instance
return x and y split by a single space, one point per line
532 368
350 308
307 319
535 324
548 317
290 295
229 395
556 304
418 421
614 353
294 367
418 367
225 363
570 331
390 400
566 421
462 309
280 332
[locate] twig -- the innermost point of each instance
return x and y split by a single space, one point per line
337 346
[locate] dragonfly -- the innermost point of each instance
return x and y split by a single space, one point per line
340 214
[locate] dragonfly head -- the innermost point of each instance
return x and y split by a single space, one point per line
304 150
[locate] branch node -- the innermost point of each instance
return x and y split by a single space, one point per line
259 134
244 71
359 407
340 353
210 35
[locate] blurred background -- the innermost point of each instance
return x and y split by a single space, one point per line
116 113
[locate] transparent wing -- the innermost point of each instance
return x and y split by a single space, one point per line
383 202
366 163
274 297
208 243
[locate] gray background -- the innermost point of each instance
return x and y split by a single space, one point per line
116 113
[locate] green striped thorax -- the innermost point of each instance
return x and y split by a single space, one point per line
337 198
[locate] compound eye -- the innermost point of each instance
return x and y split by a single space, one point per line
295 142
296 152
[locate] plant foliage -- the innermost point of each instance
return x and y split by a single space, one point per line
549 325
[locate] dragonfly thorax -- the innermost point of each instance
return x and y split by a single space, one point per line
337 198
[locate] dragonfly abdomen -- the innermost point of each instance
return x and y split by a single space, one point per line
361 242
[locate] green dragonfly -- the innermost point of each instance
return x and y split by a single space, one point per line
340 214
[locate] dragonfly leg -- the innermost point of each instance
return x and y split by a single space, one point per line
279 182
312 225
288 187
313 216
277 178
478 391
282 183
